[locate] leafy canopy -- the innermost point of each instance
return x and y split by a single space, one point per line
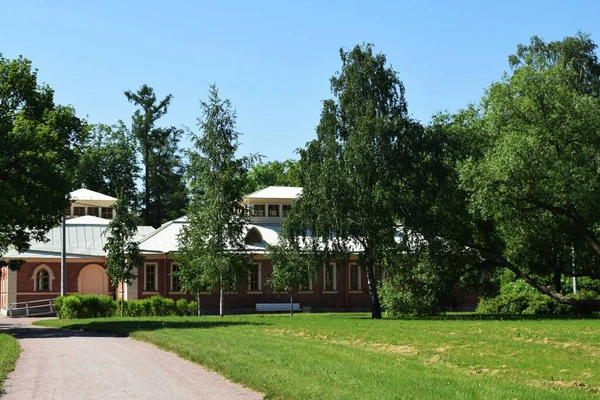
37 157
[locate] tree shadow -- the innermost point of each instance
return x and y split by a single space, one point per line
107 327
126 327
485 317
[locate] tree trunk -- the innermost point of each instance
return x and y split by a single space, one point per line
372 283
588 305
291 303
122 297
557 279
198 303
221 300
146 181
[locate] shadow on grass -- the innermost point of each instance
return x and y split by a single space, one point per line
127 327
485 317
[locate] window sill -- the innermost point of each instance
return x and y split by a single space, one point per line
329 292
355 291
230 292
205 292
254 292
150 292
306 292
176 292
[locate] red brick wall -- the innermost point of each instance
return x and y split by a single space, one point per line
25 285
241 300
246 301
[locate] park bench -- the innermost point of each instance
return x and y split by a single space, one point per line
276 307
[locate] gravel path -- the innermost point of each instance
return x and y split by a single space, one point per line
62 364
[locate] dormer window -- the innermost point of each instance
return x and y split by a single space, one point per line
285 209
258 210
78 211
93 211
107 213
273 210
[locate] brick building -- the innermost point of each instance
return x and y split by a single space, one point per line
340 286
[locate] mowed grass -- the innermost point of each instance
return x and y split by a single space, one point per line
350 356
9 352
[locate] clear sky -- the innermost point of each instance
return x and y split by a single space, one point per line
272 59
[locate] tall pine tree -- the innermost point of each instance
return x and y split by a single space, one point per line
164 193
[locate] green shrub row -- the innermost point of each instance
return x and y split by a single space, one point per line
92 306
84 306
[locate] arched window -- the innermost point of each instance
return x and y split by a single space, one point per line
42 278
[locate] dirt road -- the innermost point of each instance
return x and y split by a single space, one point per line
61 364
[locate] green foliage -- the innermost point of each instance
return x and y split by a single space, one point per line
353 172
512 182
160 306
181 307
212 248
192 308
122 252
164 195
38 156
108 162
518 297
84 306
91 306
273 173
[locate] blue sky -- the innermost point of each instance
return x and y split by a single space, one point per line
272 59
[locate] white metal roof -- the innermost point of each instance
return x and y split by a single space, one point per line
86 194
85 237
276 192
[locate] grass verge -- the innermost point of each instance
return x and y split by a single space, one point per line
9 352
350 356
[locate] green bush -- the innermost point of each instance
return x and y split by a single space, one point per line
85 306
397 299
92 306
192 308
181 307
520 298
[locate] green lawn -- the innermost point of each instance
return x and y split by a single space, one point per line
349 356
9 352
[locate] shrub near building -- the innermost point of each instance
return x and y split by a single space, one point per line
92 306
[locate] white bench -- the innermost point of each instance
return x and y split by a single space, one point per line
274 307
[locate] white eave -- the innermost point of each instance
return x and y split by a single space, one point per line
89 195
276 192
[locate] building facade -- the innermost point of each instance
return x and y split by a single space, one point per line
340 286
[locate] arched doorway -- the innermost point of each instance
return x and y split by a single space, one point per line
92 280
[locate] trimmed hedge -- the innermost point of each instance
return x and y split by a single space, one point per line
84 306
92 306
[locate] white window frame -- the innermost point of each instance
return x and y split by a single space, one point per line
259 266
35 278
171 280
278 211
155 288
334 280
260 204
359 277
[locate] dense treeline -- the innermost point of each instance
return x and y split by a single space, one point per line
506 184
